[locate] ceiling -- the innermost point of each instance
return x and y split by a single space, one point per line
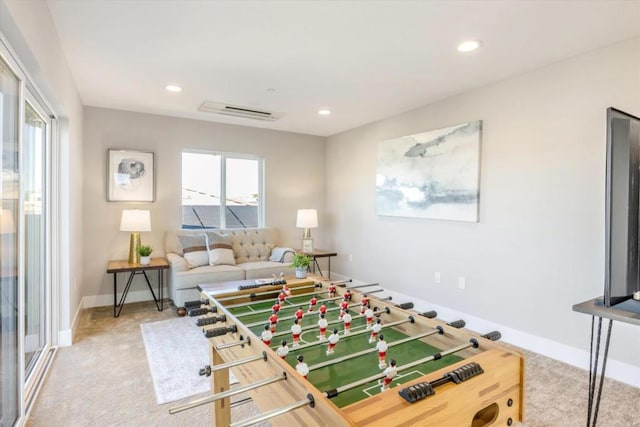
363 60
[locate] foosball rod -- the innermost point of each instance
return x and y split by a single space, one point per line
275 291
223 395
262 356
350 334
309 401
241 342
493 336
342 282
372 350
308 327
362 286
250 325
243 304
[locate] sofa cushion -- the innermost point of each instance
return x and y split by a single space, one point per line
252 244
220 250
194 248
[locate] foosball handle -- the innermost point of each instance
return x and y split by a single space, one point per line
405 305
206 371
457 324
429 314
493 336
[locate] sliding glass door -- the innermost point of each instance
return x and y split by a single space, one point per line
25 287
35 277
10 388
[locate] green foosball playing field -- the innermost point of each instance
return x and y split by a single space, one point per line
324 374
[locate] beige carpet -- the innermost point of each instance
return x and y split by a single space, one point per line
104 380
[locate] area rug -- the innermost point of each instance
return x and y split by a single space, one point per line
176 351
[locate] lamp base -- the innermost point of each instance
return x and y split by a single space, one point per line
307 245
134 244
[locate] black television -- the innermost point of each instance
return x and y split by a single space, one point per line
622 262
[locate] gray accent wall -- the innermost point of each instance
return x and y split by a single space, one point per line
539 246
294 179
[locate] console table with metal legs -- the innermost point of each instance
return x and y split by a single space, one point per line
596 309
123 266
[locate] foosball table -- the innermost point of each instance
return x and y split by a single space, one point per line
369 362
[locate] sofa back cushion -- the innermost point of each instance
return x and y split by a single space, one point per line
220 249
194 249
248 244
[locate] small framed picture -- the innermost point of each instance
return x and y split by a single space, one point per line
130 176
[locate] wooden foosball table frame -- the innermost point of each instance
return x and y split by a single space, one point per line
496 397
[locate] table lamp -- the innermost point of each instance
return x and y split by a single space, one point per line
307 219
135 221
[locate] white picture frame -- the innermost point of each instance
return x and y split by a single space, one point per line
130 176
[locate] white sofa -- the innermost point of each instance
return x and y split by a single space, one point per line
252 250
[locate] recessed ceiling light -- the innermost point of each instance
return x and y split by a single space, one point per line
468 46
173 88
324 112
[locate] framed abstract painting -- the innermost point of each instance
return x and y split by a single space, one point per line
130 176
433 174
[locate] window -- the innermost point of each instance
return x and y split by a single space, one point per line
221 190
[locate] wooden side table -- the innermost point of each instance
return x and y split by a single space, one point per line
319 253
123 266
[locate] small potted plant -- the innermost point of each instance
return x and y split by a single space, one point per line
145 254
301 263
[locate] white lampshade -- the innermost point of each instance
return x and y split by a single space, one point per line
135 220
307 218
7 226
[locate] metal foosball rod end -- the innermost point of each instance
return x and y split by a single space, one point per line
342 282
308 401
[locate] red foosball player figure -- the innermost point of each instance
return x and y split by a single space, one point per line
302 368
322 309
382 351
276 306
282 297
347 295
332 290
389 373
364 303
368 315
346 318
333 340
299 313
312 303
375 330
283 350
296 330
322 324
286 290
266 335
273 321
344 306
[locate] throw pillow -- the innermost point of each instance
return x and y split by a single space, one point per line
194 248
220 249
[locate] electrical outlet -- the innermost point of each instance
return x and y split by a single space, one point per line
436 277
461 282
350 258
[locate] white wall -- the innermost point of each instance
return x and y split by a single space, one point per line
539 246
29 29
294 179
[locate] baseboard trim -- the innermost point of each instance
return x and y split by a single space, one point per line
619 371
65 336
133 296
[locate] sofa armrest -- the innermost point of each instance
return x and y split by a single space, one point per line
283 255
176 262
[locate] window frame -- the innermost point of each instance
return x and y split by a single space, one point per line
223 182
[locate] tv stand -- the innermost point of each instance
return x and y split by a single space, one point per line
619 312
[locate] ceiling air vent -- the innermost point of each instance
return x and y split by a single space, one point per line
237 111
